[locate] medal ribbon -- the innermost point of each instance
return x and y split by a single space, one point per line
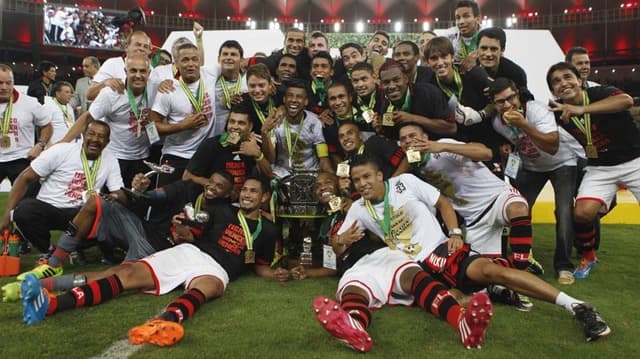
447 90
586 127
229 93
196 103
68 120
135 106
198 205
372 102
385 224
90 172
261 115
472 44
6 118
291 146
247 233
406 104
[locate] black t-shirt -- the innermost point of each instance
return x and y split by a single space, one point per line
253 116
212 156
361 104
225 241
615 135
510 70
424 75
426 100
303 63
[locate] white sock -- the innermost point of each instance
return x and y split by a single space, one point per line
566 301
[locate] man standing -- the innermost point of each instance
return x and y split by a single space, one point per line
230 83
491 45
21 115
60 110
598 117
90 67
71 173
185 116
43 85
579 58
464 36
128 116
406 53
318 42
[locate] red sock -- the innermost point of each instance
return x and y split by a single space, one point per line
520 240
433 296
184 306
357 306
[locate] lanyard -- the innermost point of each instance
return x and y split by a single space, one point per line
6 118
261 115
135 106
196 103
68 120
229 93
291 146
406 104
447 90
198 205
90 172
248 236
472 44
586 127
386 223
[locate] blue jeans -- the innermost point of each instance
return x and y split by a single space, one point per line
563 180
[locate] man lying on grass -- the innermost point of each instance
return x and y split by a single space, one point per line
238 239
400 210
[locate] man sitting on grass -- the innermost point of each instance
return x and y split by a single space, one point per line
237 240
380 272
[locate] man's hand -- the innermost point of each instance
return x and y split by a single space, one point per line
166 86
281 274
198 30
454 243
326 118
140 183
401 117
469 62
182 233
236 99
344 186
298 273
567 111
424 145
514 118
6 221
114 84
273 120
34 152
350 236
250 147
194 120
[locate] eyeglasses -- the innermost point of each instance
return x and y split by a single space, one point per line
510 99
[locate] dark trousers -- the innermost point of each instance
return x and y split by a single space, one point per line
129 168
12 169
179 163
35 219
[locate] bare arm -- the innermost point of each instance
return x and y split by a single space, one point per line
94 89
45 134
436 125
78 127
450 220
188 176
279 274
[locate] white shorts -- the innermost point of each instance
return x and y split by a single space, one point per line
600 183
378 274
485 236
180 265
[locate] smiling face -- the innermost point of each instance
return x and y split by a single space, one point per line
394 83
295 100
466 22
350 57
139 44
321 68
94 139
239 123
217 187
566 86
251 195
489 52
441 64
326 186
317 44
368 181
50 74
364 82
378 45
349 137
583 64
258 88
64 94
229 59
339 101
287 69
189 64
137 71
409 134
294 42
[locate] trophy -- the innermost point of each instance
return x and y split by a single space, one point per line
306 258
165 168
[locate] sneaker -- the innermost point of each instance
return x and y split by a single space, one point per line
160 332
41 271
501 294
341 325
35 300
594 327
565 277
534 266
11 292
584 268
474 320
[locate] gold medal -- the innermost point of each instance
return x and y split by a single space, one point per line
389 241
591 151
5 141
249 256
233 138
343 169
387 119
335 204
368 116
413 156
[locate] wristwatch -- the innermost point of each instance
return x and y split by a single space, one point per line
455 232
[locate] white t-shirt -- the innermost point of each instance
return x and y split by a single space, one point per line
533 158
114 107
415 229
112 68
158 74
64 182
175 106
221 110
58 119
469 185
27 113
305 137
